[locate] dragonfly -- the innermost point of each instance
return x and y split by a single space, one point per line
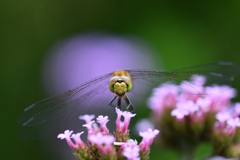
51 116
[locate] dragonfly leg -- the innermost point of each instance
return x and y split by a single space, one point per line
110 103
130 107
119 102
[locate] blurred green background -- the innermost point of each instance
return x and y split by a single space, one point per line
184 33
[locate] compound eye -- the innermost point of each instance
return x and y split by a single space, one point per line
129 86
110 86
113 80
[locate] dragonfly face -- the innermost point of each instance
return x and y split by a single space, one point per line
60 112
121 83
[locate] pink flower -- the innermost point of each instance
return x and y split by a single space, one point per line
89 127
67 135
127 116
223 116
236 109
203 103
104 142
187 105
118 120
147 139
234 122
163 97
193 89
87 118
103 121
220 96
123 126
78 140
179 113
131 152
198 80
130 149
185 108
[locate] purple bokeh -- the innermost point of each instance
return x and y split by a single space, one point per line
80 58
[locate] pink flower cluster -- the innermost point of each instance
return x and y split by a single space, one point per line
205 113
190 98
103 145
228 120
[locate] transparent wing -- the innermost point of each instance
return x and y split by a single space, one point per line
49 117
221 73
61 112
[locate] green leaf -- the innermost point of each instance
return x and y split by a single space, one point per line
203 150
